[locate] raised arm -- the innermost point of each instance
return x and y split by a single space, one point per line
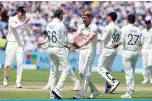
30 30
13 24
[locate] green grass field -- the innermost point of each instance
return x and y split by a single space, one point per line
40 77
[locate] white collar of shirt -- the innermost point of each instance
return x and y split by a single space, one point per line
148 30
88 26
130 24
56 20
17 17
111 23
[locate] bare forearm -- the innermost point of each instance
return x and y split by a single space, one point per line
90 38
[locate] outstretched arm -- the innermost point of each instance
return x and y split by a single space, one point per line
14 24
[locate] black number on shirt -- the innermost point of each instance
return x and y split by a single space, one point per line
48 33
115 37
52 37
133 39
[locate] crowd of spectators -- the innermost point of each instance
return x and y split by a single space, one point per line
41 12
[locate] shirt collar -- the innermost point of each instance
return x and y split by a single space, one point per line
148 30
56 20
111 23
88 26
17 17
129 24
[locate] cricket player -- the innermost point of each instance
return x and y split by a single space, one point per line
111 34
17 27
131 39
89 33
73 78
43 43
58 51
146 52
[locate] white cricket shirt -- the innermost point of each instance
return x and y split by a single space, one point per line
131 37
147 38
110 35
86 31
57 33
17 29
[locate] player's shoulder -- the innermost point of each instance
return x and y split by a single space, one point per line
136 28
48 25
109 27
144 30
81 26
61 25
12 18
117 27
124 27
150 29
93 26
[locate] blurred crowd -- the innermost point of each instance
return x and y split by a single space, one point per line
41 12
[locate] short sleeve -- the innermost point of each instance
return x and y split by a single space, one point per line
94 30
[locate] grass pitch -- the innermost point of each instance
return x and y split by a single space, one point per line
38 79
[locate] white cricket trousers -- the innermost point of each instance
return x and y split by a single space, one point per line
59 58
86 59
71 75
105 62
147 63
129 59
12 49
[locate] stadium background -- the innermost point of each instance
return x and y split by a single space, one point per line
41 12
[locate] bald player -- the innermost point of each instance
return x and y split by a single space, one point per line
89 32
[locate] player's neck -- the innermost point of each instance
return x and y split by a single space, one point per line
56 19
111 22
130 23
87 25
18 17
148 28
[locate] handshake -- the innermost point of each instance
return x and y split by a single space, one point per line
73 46
115 44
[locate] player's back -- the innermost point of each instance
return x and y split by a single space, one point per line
56 33
114 33
131 36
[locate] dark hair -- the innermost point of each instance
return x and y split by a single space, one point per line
131 18
147 22
21 9
58 12
113 15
